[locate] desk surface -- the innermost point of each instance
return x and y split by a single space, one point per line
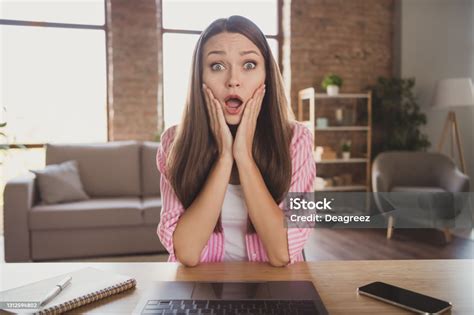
336 281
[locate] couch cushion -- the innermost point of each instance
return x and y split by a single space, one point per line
106 169
151 210
407 197
60 183
99 212
149 172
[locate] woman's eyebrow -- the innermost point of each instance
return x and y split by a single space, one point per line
242 53
217 52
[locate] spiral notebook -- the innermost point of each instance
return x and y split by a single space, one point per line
87 285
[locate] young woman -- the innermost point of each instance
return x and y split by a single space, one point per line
227 166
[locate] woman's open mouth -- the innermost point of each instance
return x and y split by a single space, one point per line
233 104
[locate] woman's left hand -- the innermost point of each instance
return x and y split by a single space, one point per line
242 148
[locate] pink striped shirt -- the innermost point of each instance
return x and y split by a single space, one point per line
303 175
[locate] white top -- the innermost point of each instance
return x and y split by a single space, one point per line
234 224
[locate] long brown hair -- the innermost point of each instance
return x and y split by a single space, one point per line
194 150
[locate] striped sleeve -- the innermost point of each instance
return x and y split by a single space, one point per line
171 206
302 179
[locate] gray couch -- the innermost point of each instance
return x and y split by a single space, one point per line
120 218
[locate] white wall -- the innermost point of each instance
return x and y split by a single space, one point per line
434 39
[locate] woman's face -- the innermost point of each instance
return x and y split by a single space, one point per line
233 69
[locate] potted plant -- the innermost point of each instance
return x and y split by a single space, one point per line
346 149
4 145
397 116
331 84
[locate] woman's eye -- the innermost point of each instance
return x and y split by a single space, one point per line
252 65
216 67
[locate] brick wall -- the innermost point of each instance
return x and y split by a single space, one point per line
133 69
346 37
352 39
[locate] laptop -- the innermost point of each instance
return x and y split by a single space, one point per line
269 297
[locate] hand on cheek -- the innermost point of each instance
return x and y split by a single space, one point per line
218 124
242 148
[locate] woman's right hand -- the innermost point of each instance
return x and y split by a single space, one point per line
219 126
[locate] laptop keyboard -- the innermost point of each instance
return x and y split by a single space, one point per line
234 307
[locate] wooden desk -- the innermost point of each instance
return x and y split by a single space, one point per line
336 281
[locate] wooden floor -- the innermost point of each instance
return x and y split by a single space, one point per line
361 244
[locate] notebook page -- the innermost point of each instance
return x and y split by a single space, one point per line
84 281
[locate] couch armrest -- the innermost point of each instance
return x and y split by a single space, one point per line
19 196
379 183
454 181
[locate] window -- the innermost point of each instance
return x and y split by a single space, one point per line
53 78
181 29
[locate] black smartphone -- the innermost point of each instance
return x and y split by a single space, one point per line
404 298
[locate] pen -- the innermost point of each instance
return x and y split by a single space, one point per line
58 288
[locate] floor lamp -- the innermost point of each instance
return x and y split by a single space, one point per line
450 94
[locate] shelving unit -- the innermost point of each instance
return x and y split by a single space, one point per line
348 128
353 160
345 188
337 132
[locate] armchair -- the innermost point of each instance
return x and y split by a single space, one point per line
432 174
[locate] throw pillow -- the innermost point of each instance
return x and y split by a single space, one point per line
60 183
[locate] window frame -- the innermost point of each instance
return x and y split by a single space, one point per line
278 37
103 27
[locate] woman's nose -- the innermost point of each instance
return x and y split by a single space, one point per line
234 80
